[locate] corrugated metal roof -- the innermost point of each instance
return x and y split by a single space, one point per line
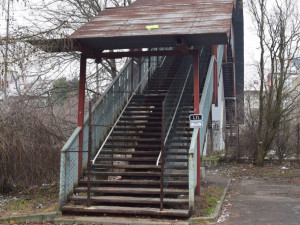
197 21
178 2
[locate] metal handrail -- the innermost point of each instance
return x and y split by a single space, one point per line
106 139
171 124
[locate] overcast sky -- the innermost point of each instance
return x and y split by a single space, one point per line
251 41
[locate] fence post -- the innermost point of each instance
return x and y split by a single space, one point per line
197 111
89 156
81 99
162 165
62 182
238 142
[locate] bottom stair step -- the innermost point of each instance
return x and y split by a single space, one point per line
129 200
126 210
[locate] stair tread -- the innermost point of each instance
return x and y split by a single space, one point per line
126 199
136 134
137 174
136 159
131 153
134 190
136 182
132 146
130 166
135 139
127 210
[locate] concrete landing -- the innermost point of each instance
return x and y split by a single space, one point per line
117 221
262 202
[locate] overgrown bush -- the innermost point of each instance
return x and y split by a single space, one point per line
30 143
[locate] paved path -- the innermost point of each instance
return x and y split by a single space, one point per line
261 202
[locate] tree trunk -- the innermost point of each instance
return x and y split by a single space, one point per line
259 160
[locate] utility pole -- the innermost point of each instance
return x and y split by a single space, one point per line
6 50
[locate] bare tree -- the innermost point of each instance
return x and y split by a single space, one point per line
28 65
278 29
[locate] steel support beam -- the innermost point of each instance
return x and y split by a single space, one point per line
214 51
225 54
197 111
81 99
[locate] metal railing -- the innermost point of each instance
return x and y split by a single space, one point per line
139 86
172 101
104 114
205 107
170 107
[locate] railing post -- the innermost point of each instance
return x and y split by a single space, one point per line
149 66
162 164
89 156
157 69
62 181
132 72
81 99
140 72
196 111
191 181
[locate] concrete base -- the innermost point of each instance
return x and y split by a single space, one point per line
210 162
34 218
117 220
202 170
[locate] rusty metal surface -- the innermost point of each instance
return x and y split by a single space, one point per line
172 19
198 21
180 2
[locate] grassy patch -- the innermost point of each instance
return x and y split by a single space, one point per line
31 200
211 196
206 204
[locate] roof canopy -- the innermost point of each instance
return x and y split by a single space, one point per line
197 22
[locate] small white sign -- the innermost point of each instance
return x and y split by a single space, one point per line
196 121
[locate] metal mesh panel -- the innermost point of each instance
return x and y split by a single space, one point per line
104 114
176 110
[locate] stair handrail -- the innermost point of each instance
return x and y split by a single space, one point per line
125 107
174 115
206 100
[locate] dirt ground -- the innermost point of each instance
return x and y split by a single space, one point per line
268 195
32 199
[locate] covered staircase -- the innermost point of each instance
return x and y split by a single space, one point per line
135 154
126 175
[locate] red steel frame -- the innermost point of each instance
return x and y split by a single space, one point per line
81 99
214 51
197 111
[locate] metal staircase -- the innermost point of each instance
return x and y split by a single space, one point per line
124 176
143 166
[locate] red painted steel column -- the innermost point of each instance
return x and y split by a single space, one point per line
225 54
197 111
132 67
81 98
214 50
140 69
